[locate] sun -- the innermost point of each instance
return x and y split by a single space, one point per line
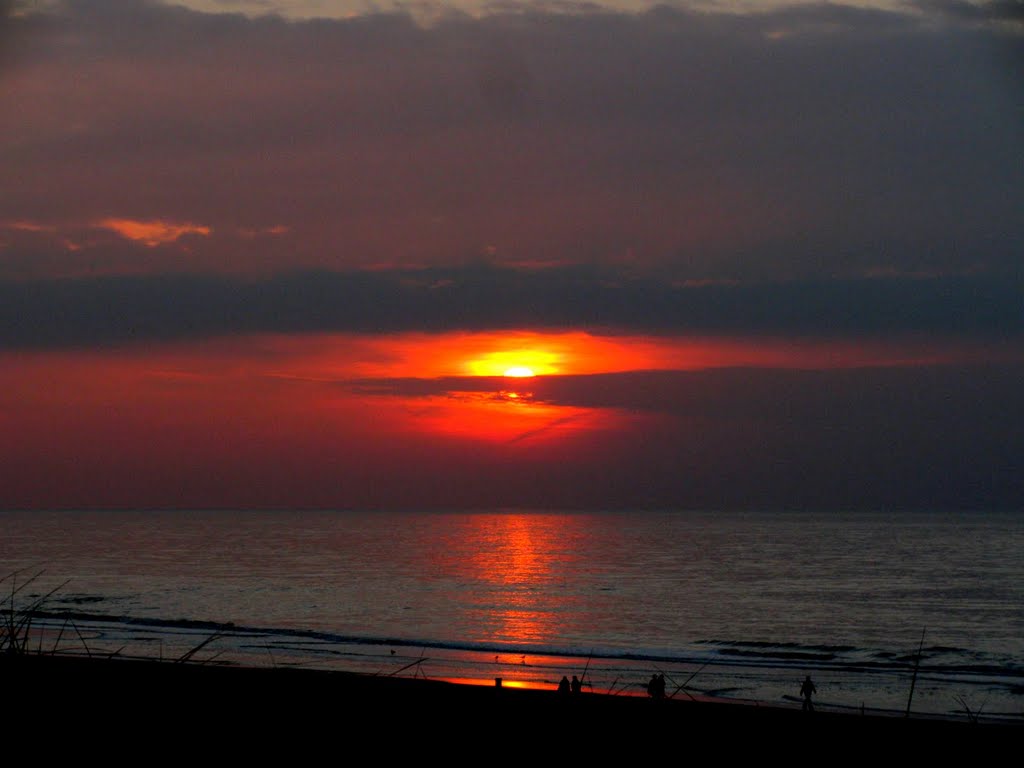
519 372
516 361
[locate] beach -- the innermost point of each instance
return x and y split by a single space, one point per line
248 711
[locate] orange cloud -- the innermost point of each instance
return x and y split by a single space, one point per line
152 233
28 226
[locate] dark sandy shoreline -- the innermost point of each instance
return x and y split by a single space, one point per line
216 705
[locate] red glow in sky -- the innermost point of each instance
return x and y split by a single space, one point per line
250 260
407 419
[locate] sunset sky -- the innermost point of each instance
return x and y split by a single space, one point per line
301 254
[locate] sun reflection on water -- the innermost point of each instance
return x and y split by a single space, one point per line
522 557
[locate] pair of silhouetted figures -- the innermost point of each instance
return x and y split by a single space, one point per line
807 690
656 687
566 687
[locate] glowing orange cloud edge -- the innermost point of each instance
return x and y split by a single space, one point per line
153 232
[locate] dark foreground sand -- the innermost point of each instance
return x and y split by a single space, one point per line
150 708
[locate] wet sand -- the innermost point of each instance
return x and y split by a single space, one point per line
247 711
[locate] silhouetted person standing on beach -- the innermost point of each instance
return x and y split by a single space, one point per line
806 690
577 686
563 686
656 687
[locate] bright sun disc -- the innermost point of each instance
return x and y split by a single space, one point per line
519 372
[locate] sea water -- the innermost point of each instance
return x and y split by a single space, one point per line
730 605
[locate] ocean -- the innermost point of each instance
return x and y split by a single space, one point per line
730 605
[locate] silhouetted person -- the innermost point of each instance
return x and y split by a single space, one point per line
807 690
577 686
563 686
656 687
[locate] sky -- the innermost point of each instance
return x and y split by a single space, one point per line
300 254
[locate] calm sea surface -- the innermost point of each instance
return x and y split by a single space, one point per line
731 605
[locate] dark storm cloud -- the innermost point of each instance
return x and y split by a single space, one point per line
822 140
118 310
